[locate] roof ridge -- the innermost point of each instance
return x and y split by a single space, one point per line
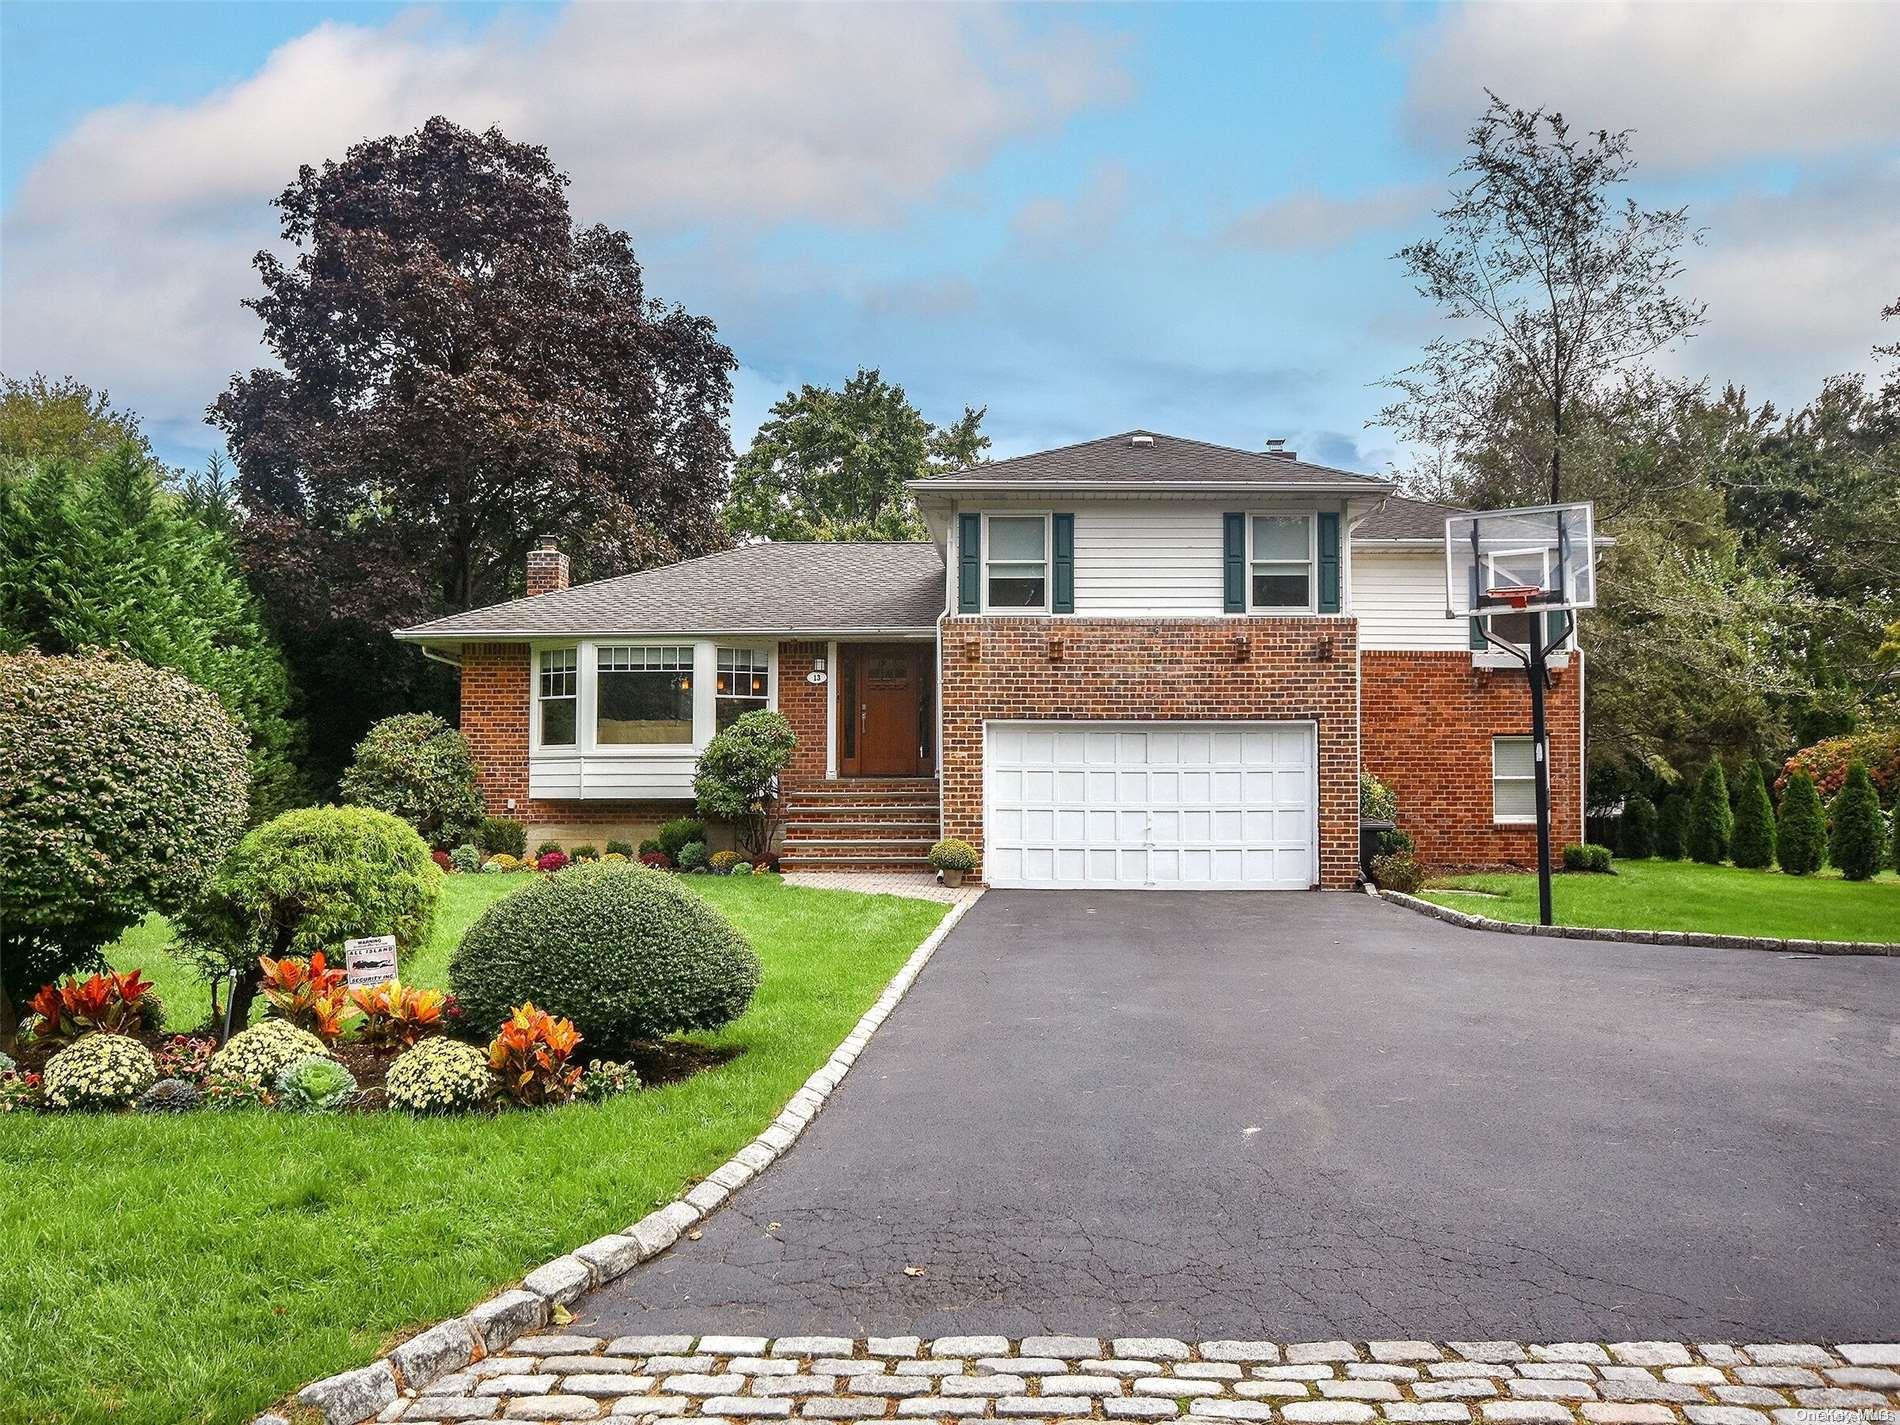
1280 462
1032 454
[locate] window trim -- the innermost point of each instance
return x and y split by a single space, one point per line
1048 563
1312 563
767 665
705 651
1517 819
536 698
690 666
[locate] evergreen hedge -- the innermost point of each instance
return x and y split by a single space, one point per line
1636 829
1802 835
1711 821
1857 842
1754 843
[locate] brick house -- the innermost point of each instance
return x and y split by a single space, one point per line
1138 661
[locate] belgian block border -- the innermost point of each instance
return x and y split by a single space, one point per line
357 1395
1641 937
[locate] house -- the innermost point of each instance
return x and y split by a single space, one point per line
1136 661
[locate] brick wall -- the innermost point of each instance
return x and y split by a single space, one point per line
547 570
803 705
1000 668
1428 721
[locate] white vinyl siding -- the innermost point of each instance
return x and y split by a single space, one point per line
1400 601
1142 558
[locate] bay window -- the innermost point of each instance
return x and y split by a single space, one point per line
1281 562
1017 552
557 696
644 696
744 685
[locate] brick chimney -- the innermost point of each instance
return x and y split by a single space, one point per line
547 567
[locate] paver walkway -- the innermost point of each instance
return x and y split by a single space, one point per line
1313 1116
734 1378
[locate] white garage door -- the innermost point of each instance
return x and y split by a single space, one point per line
1162 806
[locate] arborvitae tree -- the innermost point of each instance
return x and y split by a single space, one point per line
1802 834
1754 822
1857 842
1711 822
1636 829
1672 827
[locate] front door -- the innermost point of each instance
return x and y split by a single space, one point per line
883 723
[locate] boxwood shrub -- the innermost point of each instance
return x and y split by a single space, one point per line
626 954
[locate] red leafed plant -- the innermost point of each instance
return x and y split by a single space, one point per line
552 861
398 1016
304 991
658 860
101 1004
531 1055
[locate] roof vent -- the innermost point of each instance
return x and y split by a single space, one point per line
1141 441
1276 447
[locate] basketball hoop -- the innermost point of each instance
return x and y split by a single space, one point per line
1517 596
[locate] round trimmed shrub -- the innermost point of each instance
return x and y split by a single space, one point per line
693 856
1802 834
1857 839
1588 858
627 955
503 835
951 854
465 859
100 1071
122 787
1636 829
316 1083
262 1052
440 1076
675 835
308 881
1398 873
169 1096
415 766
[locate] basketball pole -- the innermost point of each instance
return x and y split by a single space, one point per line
1535 669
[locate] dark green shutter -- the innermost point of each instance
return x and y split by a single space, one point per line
1554 625
1329 564
969 564
1234 563
1478 640
1063 537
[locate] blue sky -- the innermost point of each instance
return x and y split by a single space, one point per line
1084 218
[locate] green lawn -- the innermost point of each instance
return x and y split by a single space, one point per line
1681 895
199 1268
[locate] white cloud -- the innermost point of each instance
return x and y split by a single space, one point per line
1312 220
128 245
1082 220
1702 84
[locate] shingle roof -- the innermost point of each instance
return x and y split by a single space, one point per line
1398 517
757 588
1168 460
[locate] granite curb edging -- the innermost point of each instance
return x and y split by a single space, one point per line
353 1396
1699 938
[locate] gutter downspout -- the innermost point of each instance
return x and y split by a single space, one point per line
431 653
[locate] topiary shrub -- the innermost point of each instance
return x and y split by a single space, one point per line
307 881
1753 846
1802 835
677 834
1672 827
951 854
100 1071
465 859
1711 821
1857 838
627 955
121 788
169 1096
1636 829
1592 859
737 780
503 836
694 856
315 1083
1398 873
262 1052
441 1076
415 766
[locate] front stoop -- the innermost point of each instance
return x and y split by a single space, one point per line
872 824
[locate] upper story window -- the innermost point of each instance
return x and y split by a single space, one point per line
1017 573
744 684
644 696
1281 562
557 696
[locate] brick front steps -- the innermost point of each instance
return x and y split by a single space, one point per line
737 1378
869 825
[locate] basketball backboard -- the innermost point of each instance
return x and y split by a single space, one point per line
1520 561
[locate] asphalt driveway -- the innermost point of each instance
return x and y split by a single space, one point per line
1293 1117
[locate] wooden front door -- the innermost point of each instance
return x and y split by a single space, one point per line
883 710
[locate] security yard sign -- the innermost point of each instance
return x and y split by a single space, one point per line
372 960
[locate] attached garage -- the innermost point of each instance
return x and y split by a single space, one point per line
1151 806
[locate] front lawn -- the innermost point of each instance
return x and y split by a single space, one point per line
1682 895
200 1267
